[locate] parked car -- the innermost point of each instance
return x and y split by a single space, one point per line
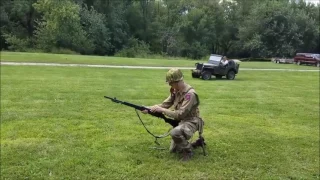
215 68
282 60
307 58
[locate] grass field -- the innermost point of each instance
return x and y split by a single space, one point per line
80 59
55 124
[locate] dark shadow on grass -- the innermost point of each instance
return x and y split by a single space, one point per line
151 149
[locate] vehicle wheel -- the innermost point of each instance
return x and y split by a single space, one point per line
298 63
218 76
231 75
206 75
195 76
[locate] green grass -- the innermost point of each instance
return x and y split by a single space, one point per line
80 59
55 124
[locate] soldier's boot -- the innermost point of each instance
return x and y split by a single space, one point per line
174 148
186 155
198 143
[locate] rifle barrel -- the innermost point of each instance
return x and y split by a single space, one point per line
141 108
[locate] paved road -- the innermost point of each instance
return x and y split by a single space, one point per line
136 67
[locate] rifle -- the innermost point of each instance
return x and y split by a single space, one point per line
172 122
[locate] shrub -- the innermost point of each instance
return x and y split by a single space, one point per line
62 51
16 44
134 48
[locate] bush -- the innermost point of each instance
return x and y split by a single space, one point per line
16 44
195 51
62 51
134 48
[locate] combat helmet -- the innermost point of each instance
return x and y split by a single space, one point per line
174 75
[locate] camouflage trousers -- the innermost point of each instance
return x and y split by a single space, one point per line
180 136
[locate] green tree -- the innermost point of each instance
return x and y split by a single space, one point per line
188 28
307 20
17 24
270 30
115 12
94 24
60 27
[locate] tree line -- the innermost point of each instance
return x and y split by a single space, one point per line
177 28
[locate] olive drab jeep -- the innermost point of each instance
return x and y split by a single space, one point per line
215 67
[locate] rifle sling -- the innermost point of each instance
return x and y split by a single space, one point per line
156 137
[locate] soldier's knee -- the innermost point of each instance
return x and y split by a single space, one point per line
176 132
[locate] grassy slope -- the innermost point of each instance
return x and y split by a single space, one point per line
55 124
80 59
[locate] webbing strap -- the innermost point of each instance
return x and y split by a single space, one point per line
156 137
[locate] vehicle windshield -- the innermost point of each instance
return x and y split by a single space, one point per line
317 56
215 59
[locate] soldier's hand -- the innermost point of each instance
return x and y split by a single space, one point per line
145 111
157 108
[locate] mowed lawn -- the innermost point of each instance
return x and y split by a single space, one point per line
55 124
105 60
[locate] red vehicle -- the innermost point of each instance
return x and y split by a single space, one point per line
307 58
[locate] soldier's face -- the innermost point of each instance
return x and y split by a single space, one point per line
174 85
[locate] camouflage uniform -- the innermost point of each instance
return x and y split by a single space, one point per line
184 107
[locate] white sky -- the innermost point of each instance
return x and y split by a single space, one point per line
313 1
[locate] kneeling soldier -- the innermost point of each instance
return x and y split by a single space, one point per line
183 103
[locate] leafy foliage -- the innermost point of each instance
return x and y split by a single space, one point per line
134 48
94 24
60 26
15 43
176 28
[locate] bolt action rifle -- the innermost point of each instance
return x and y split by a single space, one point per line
172 122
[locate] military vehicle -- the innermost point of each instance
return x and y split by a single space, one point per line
215 67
